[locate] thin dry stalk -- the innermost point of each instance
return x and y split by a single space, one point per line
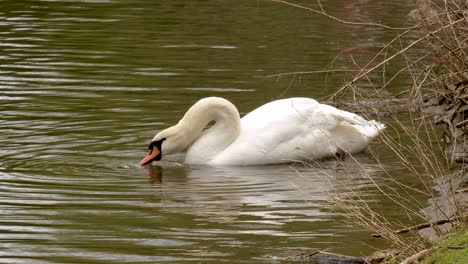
440 78
323 13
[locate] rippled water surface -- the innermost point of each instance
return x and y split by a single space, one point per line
84 85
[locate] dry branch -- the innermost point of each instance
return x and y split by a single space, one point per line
440 76
416 257
424 225
367 72
321 12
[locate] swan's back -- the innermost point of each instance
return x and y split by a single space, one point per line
296 129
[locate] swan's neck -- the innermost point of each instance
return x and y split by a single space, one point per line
210 142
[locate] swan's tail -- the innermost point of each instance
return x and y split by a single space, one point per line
371 129
355 137
367 128
353 133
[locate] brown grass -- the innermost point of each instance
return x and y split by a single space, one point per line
439 74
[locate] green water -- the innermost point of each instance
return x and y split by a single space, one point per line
84 86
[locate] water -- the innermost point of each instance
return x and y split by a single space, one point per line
84 86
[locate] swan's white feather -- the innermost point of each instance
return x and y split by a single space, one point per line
296 129
281 131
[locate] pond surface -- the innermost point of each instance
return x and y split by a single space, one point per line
84 86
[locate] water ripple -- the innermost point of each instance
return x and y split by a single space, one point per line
84 87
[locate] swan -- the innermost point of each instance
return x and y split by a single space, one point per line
281 131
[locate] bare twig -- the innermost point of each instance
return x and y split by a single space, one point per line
321 12
366 72
308 72
413 259
424 225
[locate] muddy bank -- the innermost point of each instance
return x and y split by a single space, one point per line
450 108
452 204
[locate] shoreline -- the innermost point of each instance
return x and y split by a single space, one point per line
448 208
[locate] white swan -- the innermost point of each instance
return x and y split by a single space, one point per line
281 131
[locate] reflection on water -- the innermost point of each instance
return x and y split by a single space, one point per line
280 191
85 84
174 212
155 174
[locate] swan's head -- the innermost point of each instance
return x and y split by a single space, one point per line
168 141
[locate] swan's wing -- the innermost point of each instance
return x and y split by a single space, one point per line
369 129
282 113
283 131
297 129
341 115
297 116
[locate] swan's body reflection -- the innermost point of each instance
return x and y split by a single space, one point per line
273 195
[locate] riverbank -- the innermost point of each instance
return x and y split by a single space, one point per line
445 231
435 146
445 217
450 250
440 95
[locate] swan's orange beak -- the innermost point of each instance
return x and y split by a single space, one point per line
152 155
